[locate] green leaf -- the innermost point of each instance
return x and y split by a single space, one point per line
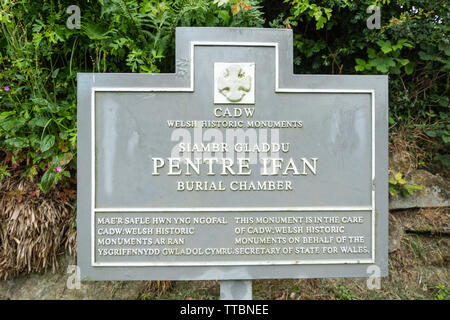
425 56
96 31
392 181
443 158
430 133
391 120
371 53
38 122
406 192
414 187
382 64
47 180
12 125
40 101
443 102
64 135
55 73
35 141
17 142
409 68
382 68
362 65
6 114
402 62
47 142
386 46
393 191
320 22
407 44
224 15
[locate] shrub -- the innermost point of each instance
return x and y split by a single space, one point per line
40 56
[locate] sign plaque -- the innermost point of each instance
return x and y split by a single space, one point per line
233 167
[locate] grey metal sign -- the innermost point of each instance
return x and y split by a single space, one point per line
232 167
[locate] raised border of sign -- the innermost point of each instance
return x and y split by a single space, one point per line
94 210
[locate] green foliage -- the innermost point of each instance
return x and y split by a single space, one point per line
320 14
443 158
442 292
40 56
439 128
4 172
399 186
342 292
412 47
387 59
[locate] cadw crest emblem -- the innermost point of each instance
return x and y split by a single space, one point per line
234 83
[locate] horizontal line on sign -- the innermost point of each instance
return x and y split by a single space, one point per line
234 43
183 89
137 89
235 209
294 90
228 263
